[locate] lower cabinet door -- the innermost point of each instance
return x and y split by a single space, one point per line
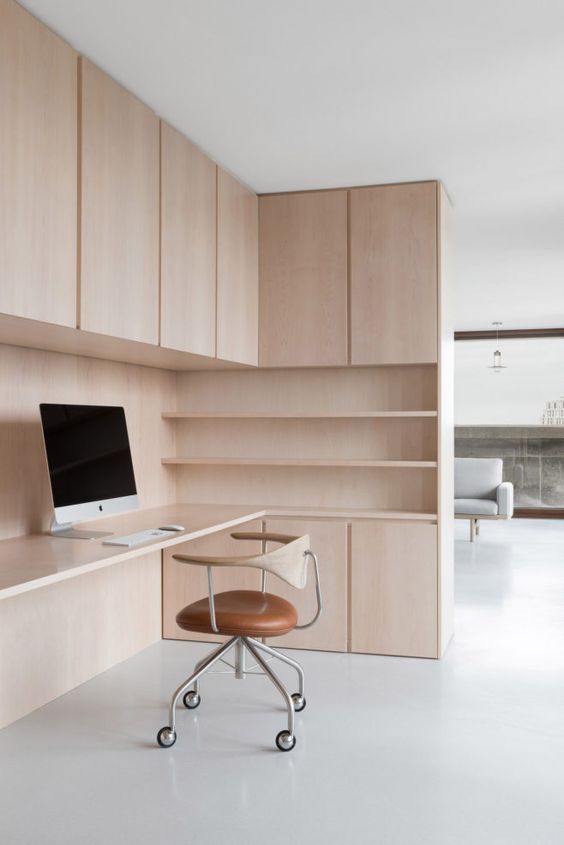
394 588
329 542
184 583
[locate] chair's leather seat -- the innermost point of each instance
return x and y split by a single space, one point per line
247 613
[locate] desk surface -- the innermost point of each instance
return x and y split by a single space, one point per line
38 560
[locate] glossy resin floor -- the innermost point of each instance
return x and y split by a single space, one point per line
466 750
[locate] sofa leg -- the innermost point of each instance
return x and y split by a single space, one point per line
472 530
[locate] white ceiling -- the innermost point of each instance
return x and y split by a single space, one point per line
294 94
534 374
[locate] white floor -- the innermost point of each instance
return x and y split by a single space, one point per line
467 750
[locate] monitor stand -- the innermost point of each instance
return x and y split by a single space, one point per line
65 529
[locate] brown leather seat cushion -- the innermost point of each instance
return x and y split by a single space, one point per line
247 613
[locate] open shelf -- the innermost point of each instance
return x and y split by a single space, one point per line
296 462
311 512
269 415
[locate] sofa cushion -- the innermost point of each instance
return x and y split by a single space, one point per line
475 506
477 478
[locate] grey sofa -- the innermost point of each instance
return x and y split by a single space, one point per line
480 492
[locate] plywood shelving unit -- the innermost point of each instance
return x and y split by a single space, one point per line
294 462
351 439
268 415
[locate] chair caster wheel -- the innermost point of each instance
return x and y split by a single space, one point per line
166 737
285 741
299 702
191 699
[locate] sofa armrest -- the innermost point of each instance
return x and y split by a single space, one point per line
505 499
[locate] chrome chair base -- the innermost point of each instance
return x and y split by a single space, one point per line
295 702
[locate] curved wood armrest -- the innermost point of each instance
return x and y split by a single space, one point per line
199 560
266 536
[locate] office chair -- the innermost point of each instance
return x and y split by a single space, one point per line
248 617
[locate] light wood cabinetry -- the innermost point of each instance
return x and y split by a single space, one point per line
303 279
119 216
188 245
393 274
332 458
394 589
183 583
38 170
329 542
237 271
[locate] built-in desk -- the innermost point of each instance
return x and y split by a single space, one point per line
39 560
57 629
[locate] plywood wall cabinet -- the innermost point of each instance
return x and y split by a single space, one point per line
393 274
394 589
38 170
303 279
445 429
119 211
188 245
237 271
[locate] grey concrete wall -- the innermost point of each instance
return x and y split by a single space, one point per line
533 459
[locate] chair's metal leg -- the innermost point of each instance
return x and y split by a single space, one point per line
213 658
240 661
202 662
293 663
277 683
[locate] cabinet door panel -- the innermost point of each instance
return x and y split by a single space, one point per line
188 245
183 583
394 588
329 542
303 279
237 271
38 170
119 211
393 242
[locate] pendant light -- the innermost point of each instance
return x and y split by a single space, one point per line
497 366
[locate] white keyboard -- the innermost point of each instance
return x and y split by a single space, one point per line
138 538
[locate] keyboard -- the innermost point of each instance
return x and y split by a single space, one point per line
138 538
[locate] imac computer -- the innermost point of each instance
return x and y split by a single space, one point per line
89 462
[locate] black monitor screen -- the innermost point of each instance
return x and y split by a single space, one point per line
87 452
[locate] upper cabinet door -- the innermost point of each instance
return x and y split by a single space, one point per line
38 164
188 245
237 271
119 211
303 279
394 274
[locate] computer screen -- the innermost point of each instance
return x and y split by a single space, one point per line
88 457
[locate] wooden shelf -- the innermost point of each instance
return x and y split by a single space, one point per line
270 415
296 462
309 512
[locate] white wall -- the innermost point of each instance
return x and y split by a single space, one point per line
516 396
